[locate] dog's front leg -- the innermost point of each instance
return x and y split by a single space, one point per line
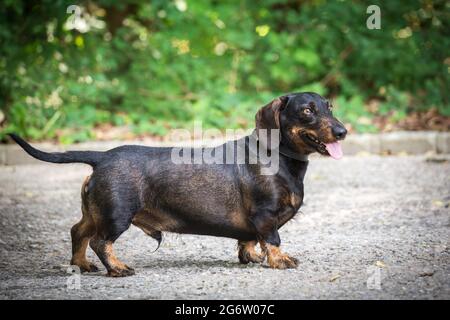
276 258
269 240
248 253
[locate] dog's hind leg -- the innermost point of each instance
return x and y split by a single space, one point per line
104 250
109 228
247 252
81 234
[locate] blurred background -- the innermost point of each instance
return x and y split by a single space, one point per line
130 69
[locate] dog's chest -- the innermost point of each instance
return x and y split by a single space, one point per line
292 194
295 200
289 207
290 201
291 183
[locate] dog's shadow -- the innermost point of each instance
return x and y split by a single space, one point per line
197 265
194 264
163 264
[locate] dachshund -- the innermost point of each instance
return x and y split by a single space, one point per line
143 186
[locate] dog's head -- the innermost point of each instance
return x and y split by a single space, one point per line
306 124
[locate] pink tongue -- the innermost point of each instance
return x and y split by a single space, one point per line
335 150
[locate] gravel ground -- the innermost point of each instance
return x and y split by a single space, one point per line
371 227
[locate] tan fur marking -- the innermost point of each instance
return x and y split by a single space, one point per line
112 259
104 250
295 131
295 200
238 220
325 133
84 187
79 257
276 259
155 220
248 253
81 233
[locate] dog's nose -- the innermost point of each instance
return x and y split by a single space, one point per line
339 132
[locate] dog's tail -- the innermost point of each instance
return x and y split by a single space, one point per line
89 157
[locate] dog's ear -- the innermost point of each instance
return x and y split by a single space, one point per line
268 118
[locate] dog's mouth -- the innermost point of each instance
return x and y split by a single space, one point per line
332 149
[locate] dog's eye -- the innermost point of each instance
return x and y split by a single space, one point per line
307 111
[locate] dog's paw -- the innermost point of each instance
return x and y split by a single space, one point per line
90 268
282 261
85 266
251 256
125 272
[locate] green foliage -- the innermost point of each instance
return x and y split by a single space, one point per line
159 65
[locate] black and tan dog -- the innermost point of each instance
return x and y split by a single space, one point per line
142 186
